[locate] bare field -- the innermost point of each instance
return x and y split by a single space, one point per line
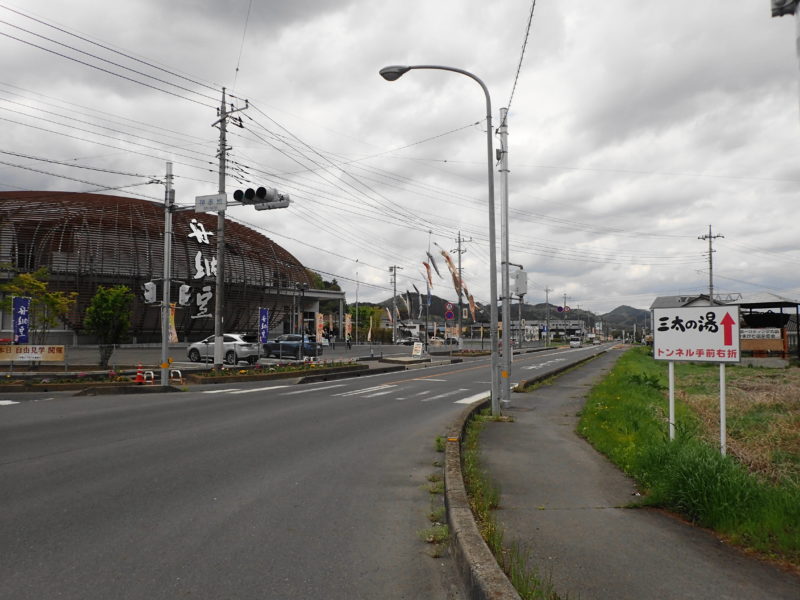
763 415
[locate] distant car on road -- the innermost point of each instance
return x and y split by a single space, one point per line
236 347
406 341
293 345
574 342
435 341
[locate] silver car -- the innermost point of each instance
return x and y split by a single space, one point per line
236 347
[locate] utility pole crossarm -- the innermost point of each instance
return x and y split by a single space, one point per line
711 251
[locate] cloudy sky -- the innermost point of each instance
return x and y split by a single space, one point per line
633 126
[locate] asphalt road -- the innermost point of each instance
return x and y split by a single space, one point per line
233 491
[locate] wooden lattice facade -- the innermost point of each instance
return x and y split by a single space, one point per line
88 240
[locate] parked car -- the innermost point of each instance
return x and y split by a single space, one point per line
435 341
236 347
574 342
293 345
407 341
451 341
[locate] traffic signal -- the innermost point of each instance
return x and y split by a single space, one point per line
184 295
149 291
262 198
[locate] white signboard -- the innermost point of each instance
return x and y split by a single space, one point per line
699 333
417 349
210 203
767 333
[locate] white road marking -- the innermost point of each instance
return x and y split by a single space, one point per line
261 389
365 390
544 364
379 393
427 379
7 402
444 395
325 387
226 390
475 398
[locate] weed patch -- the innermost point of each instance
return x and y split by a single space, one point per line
752 496
484 498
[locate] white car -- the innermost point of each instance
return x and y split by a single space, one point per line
574 342
236 347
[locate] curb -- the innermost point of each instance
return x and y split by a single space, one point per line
481 575
526 382
349 374
128 389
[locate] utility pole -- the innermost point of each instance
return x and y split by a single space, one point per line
393 271
502 155
547 291
222 121
711 251
356 306
460 279
169 201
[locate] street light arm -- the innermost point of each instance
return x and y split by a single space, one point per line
393 73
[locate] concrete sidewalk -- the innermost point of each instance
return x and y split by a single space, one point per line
562 501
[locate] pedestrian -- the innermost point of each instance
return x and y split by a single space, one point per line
349 341
332 341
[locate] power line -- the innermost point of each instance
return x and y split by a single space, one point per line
521 56
109 48
104 70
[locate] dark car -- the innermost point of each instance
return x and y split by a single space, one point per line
293 345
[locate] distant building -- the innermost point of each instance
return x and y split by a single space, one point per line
89 240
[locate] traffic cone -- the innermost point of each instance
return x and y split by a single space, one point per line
139 375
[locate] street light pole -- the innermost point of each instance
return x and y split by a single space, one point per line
392 73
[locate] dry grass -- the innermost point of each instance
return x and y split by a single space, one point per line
763 415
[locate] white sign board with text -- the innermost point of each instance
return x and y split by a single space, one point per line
698 333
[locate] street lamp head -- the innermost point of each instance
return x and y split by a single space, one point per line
394 72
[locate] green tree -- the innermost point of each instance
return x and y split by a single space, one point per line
108 316
365 312
48 308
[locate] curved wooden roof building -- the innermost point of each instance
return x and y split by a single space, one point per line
88 240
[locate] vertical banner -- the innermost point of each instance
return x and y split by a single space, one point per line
330 324
320 320
263 325
21 307
348 325
369 332
173 333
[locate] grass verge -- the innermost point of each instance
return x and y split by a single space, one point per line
484 498
625 417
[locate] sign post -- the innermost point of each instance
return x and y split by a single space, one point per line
697 334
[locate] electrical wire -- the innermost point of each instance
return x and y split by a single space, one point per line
521 56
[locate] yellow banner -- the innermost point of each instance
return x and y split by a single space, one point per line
30 352
173 333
